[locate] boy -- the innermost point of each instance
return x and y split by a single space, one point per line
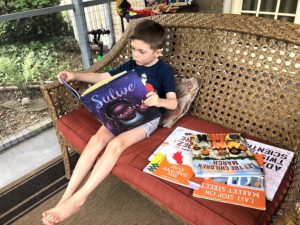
147 44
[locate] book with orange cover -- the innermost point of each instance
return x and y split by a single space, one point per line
245 191
173 164
211 189
172 160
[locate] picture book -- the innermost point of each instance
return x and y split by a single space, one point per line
174 164
117 102
248 191
276 163
180 137
243 191
217 155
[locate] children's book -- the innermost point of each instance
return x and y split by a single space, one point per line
180 137
276 163
117 102
172 160
243 191
218 155
248 191
173 164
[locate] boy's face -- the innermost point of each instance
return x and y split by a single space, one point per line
143 54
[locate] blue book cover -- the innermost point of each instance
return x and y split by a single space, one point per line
117 102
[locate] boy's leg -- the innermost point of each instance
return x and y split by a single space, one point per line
101 170
86 160
109 158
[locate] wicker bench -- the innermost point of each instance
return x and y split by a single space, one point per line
251 72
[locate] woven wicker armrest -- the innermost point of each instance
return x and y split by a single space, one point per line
59 100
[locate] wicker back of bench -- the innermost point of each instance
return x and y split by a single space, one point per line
251 72
250 67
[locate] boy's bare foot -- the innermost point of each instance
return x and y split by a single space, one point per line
62 211
45 222
64 198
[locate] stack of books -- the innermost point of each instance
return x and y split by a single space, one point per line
221 167
230 172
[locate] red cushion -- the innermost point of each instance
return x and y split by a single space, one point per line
179 199
78 126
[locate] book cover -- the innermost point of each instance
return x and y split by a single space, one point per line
276 163
117 102
173 164
217 155
180 137
243 191
248 191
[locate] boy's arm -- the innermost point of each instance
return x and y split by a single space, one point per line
170 102
86 77
96 77
91 77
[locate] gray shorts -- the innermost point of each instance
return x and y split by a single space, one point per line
150 126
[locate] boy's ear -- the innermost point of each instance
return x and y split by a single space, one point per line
158 52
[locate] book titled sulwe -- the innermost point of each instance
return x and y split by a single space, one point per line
118 102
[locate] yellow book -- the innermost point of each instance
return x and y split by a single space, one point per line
102 82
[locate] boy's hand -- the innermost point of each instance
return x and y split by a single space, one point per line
152 99
66 75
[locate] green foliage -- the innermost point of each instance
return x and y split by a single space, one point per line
24 61
36 62
30 68
7 69
40 27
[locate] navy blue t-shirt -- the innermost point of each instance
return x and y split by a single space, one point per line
160 75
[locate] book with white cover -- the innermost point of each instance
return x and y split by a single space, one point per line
180 137
276 162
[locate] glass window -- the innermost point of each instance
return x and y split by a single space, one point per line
286 18
249 14
287 10
250 5
268 5
266 16
288 6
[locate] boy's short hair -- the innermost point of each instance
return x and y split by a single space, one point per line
150 32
